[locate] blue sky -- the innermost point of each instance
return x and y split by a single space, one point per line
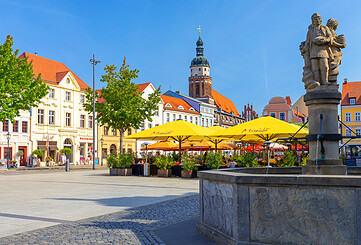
252 46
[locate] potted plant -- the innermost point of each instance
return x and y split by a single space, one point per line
119 164
246 160
213 160
288 159
37 153
164 164
189 168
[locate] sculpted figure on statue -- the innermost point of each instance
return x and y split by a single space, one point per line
322 53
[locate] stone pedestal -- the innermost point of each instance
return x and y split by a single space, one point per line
322 104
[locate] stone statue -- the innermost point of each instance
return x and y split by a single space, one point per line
322 53
337 43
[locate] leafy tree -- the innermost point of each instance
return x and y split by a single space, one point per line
38 153
121 106
18 88
66 151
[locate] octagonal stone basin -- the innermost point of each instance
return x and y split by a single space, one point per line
248 206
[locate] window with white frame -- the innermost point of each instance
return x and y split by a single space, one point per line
51 93
180 117
180 107
67 96
207 123
185 118
149 125
282 116
51 117
357 116
352 101
90 122
202 122
82 121
82 98
142 127
40 116
196 120
190 119
68 119
273 115
114 132
157 112
174 117
358 131
347 117
348 132
167 119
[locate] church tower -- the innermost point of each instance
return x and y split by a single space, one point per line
200 82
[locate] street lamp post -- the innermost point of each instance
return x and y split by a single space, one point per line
94 62
8 151
101 143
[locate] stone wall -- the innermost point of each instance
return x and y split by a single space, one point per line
239 208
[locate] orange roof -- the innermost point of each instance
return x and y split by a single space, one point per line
225 104
51 71
175 103
142 86
300 114
351 90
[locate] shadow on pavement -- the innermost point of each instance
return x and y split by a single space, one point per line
127 201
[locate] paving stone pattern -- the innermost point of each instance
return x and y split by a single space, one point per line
132 226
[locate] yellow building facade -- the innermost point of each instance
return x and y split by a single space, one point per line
351 116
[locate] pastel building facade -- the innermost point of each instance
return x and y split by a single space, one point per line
206 110
60 120
281 108
351 116
19 139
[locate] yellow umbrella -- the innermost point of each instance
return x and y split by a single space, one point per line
264 128
179 131
162 145
218 139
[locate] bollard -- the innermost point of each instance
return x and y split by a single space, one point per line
67 167
146 166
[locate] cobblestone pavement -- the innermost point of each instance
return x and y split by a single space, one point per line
131 226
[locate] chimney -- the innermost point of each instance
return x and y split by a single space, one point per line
177 92
345 81
288 100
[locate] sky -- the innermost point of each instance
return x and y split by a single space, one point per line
252 46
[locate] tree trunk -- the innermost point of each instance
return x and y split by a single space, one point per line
121 131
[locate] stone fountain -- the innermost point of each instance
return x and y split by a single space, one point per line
315 204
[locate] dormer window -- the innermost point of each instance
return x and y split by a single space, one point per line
180 107
67 80
168 105
352 101
191 109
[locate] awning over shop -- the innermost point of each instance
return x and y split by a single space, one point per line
53 147
42 147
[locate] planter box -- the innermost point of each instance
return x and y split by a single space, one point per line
164 172
189 174
120 171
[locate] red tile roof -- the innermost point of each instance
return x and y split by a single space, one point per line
225 104
142 86
351 90
175 103
51 71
